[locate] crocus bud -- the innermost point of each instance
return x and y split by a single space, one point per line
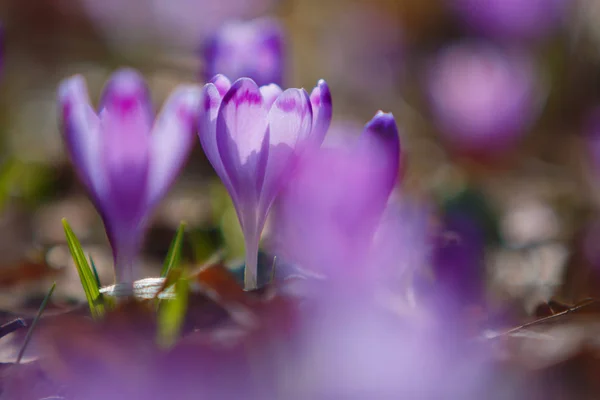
329 210
483 99
125 157
512 19
252 136
253 49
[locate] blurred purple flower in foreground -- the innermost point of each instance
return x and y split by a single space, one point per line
512 19
329 210
483 99
253 49
458 261
126 159
253 137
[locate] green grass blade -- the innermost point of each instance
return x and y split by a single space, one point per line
174 255
34 323
171 314
95 271
88 281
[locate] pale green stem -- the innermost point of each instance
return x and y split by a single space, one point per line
251 270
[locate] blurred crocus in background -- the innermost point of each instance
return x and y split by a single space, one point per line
179 23
126 158
252 136
483 98
512 19
253 49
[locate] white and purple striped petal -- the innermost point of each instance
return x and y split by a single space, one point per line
252 136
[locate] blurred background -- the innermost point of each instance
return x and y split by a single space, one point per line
498 103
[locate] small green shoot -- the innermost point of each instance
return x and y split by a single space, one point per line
95 271
34 323
174 255
273 269
171 314
88 280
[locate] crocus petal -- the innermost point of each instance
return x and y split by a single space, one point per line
207 132
270 93
290 123
82 133
172 140
242 140
380 144
320 99
222 83
125 125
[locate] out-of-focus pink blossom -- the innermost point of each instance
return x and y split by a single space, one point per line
512 19
253 49
171 22
483 98
352 348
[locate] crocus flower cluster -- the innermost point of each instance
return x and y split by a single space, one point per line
483 98
253 49
126 157
253 136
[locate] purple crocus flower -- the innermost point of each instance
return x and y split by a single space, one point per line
127 159
253 137
483 98
253 49
329 210
512 19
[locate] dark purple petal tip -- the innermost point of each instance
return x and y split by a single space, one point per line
222 83
321 94
383 124
126 90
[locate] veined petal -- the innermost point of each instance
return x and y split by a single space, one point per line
81 128
242 136
207 131
172 139
290 123
222 83
270 93
320 99
125 120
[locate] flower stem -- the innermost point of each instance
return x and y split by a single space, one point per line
251 269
